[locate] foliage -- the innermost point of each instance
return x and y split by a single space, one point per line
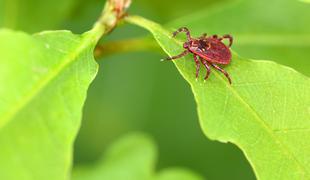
271 144
260 30
45 79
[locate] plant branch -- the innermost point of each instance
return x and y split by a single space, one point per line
113 12
129 45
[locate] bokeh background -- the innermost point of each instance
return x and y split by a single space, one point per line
135 91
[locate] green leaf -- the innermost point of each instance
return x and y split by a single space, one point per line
34 15
132 158
44 80
265 111
278 30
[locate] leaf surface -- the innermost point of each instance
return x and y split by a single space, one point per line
44 79
265 111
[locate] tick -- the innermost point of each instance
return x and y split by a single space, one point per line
210 50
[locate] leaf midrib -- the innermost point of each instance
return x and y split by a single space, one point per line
259 120
256 116
43 82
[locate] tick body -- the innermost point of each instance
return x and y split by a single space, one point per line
208 50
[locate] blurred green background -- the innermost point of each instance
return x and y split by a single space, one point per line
135 91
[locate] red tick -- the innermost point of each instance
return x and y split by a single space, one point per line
210 50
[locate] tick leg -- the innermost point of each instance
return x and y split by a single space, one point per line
223 71
205 63
229 37
177 56
197 65
183 29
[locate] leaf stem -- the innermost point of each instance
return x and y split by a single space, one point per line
128 45
113 12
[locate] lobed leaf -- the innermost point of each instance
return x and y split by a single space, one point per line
265 111
44 81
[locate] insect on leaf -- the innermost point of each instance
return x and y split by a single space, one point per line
265 111
260 30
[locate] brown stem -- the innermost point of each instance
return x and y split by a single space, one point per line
113 12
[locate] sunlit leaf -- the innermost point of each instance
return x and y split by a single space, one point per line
265 111
44 79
